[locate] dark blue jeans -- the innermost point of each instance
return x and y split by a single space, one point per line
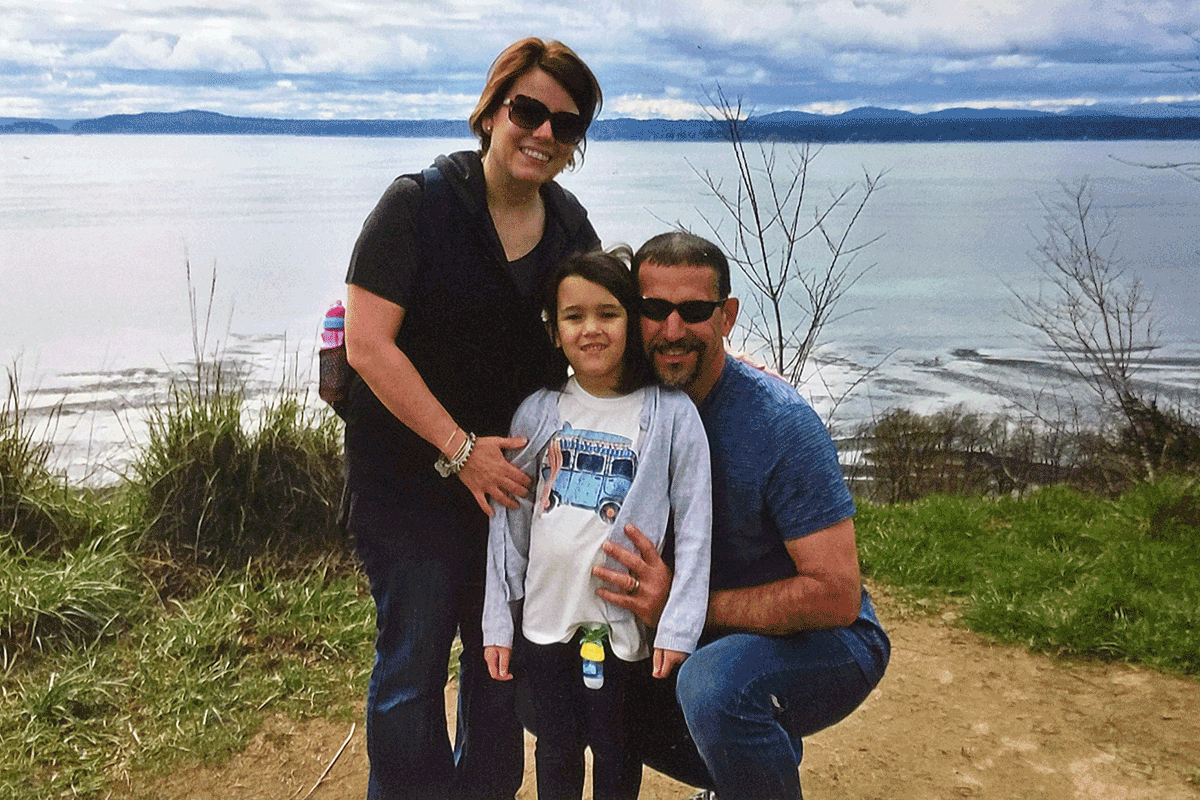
735 717
425 593
569 717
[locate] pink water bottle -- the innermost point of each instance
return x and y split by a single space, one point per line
335 369
333 331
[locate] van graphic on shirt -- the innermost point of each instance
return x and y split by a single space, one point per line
587 469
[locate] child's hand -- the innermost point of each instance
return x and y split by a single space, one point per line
497 661
666 660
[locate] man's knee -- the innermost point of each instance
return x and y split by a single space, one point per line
703 685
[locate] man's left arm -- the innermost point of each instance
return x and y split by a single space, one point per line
825 593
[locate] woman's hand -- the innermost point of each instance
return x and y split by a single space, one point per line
488 473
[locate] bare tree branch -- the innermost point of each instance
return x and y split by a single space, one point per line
1087 311
774 225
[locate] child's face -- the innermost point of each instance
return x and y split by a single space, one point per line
591 327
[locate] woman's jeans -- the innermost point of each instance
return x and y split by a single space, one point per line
423 596
744 704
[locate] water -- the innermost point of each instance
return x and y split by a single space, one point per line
97 232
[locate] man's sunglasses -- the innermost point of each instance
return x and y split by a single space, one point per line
691 311
530 114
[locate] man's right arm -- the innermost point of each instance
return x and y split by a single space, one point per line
825 593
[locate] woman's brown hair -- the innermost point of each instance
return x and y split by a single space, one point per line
556 60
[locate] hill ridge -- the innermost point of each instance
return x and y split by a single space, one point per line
866 124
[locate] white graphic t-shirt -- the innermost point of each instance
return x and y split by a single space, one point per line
584 474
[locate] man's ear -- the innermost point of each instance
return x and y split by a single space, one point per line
729 315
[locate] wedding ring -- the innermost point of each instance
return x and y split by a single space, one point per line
636 585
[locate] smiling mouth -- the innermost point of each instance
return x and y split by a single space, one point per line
676 349
536 155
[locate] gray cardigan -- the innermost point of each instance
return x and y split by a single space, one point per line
673 475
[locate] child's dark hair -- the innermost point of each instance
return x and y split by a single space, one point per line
610 270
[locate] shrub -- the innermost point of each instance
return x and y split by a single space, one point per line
955 452
915 455
1157 439
1166 510
216 489
959 453
38 511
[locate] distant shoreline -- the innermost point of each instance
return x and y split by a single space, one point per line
864 125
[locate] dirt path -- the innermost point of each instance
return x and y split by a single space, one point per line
954 717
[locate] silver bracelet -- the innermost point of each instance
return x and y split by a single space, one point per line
451 466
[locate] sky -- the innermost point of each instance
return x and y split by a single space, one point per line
426 59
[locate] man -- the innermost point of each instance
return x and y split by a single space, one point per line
792 644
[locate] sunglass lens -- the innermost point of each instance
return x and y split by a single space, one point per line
530 114
690 311
696 310
568 128
527 113
656 308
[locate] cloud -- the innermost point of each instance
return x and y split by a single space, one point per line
397 58
215 51
333 52
133 51
640 107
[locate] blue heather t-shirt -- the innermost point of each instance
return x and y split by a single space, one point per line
776 477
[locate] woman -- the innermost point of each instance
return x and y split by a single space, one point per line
443 328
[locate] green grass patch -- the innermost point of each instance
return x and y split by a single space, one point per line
156 622
190 681
1057 571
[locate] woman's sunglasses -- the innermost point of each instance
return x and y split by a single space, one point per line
530 114
691 311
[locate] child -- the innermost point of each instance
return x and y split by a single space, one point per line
607 448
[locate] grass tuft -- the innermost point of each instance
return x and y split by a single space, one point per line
214 490
38 511
76 599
